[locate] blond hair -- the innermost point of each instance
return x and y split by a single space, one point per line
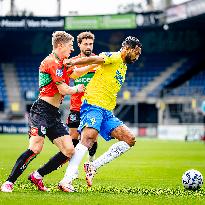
61 37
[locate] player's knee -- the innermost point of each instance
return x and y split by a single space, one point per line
69 152
88 143
74 134
36 144
130 140
36 149
88 138
133 141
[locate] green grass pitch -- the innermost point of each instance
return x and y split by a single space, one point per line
150 173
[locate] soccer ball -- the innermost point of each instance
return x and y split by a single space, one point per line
192 179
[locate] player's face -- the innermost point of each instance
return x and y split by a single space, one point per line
132 54
66 49
86 46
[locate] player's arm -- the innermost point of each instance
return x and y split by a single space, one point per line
64 89
85 61
57 77
78 72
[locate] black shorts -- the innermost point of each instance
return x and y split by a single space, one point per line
73 120
45 119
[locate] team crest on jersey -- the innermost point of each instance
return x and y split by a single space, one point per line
59 72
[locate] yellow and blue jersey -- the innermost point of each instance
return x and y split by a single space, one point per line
107 81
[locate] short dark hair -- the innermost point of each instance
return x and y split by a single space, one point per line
85 35
131 42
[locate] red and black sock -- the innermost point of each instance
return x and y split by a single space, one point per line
21 164
53 164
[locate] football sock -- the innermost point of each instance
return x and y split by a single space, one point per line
75 142
80 151
93 149
21 164
114 151
53 164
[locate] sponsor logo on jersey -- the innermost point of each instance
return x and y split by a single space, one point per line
83 80
119 77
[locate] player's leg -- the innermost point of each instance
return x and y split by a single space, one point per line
60 158
36 142
64 143
126 141
58 134
91 119
73 123
116 129
92 151
35 147
89 136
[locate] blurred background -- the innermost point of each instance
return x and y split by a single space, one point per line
164 92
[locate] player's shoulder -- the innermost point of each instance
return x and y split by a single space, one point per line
50 60
47 63
80 56
109 54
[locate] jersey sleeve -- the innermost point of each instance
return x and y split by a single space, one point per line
56 73
110 57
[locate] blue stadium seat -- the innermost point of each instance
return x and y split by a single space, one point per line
3 93
143 72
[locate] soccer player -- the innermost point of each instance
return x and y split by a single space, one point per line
85 42
44 116
96 110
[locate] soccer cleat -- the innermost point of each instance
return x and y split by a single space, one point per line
90 171
66 187
37 182
7 186
75 176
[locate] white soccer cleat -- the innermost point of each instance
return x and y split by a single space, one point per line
66 187
90 171
7 186
76 175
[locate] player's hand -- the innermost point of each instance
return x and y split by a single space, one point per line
67 62
80 88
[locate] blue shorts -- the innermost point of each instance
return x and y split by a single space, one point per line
98 118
